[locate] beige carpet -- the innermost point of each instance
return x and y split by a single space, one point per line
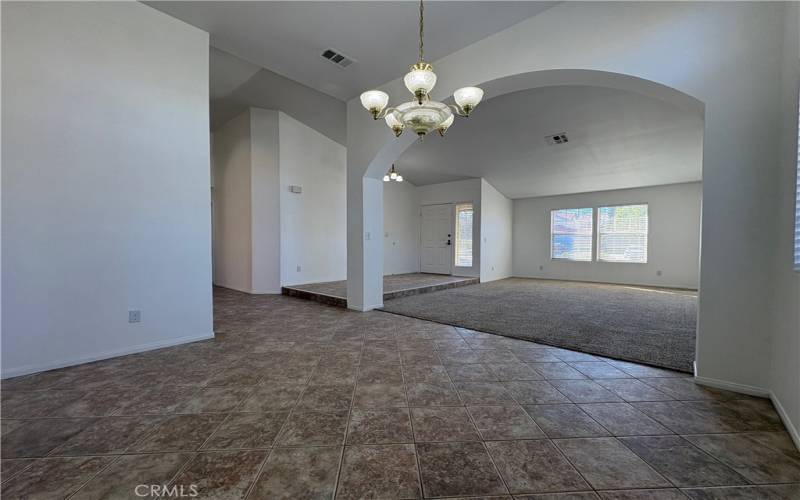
648 325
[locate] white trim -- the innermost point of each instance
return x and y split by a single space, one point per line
28 369
733 386
360 308
756 391
787 422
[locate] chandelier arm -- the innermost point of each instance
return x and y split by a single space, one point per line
382 114
458 110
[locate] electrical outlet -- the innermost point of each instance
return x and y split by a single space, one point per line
134 316
299 268
659 273
541 268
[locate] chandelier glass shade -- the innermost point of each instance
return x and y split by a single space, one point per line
422 114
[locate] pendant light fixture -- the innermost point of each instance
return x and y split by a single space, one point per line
422 114
392 175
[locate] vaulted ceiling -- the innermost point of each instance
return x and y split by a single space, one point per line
289 37
617 139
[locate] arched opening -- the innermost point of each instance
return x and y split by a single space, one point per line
657 129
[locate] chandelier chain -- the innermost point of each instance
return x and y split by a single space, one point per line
421 30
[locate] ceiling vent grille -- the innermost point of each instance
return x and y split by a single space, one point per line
337 58
556 139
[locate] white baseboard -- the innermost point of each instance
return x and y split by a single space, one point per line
756 391
733 386
28 369
359 308
786 420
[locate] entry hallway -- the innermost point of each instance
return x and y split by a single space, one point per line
295 399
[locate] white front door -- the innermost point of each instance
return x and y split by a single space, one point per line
436 252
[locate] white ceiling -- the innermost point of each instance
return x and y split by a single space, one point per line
288 37
617 139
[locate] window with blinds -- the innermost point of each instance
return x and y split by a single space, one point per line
571 234
797 204
464 217
622 233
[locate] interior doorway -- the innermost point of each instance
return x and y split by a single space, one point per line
436 240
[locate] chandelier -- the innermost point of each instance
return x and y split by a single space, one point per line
421 114
392 175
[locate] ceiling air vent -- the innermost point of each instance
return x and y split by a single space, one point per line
337 58
552 140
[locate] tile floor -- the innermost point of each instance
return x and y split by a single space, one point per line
295 399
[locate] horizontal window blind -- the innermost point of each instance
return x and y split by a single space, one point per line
571 234
464 217
797 205
622 233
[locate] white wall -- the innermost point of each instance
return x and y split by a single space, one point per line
313 223
468 190
265 202
240 84
105 193
232 243
401 218
735 79
785 348
673 240
273 230
497 218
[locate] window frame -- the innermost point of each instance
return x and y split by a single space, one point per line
455 235
597 233
591 234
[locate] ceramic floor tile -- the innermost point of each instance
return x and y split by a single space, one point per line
534 392
379 426
514 371
585 391
432 394
53 477
653 494
484 393
36 438
566 420
770 492
443 424
379 471
180 433
682 418
220 475
598 369
272 397
247 430
215 399
633 390
622 419
109 435
534 467
121 478
472 372
12 466
453 469
681 462
326 397
313 429
504 422
606 464
380 395
292 473
750 458
557 371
